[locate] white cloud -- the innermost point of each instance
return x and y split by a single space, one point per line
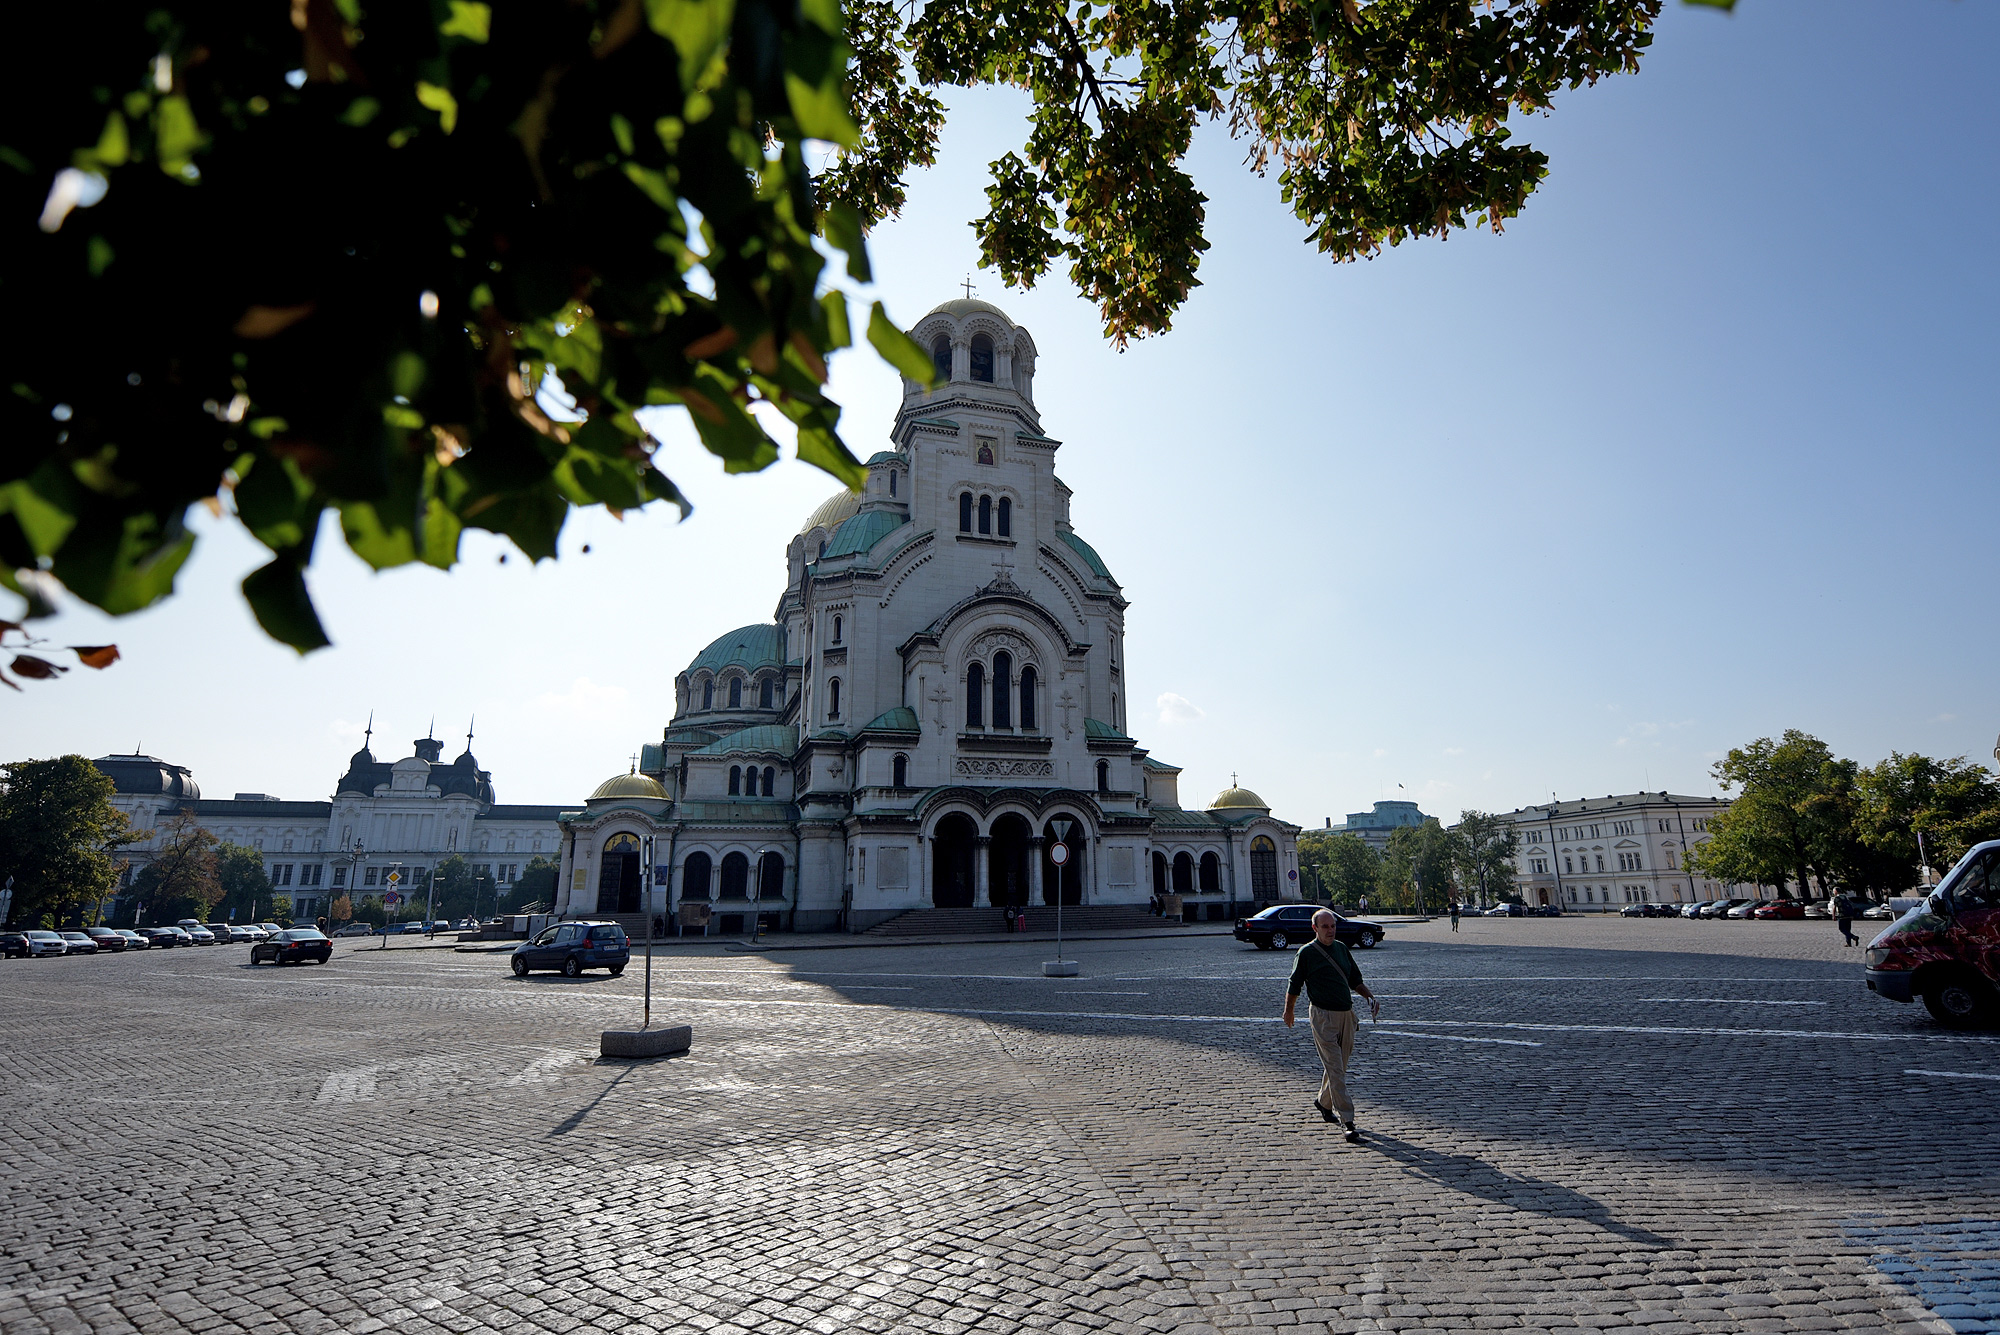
1380 752
1179 709
1454 750
585 699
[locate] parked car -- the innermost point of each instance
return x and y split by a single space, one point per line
1947 950
45 943
220 931
1780 908
77 943
107 938
354 929
1545 911
1285 925
574 947
1879 913
294 947
195 932
13 945
255 931
133 941
160 937
1507 911
1636 911
1818 911
1692 910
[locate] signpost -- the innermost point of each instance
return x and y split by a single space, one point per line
646 1041
390 899
1059 855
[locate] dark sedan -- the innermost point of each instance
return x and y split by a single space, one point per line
294 947
1285 925
160 937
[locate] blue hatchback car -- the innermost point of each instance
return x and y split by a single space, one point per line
573 947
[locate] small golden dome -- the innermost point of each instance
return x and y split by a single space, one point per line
1238 797
629 785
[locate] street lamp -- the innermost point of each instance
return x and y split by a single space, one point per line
757 900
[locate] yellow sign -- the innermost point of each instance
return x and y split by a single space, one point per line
395 878
577 883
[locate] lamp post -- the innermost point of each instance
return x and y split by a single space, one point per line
1059 855
355 857
756 911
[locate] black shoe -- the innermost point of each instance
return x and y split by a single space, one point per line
1325 1113
1353 1136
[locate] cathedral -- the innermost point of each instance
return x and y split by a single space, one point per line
937 715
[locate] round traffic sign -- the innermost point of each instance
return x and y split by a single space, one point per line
1294 875
1059 854
392 899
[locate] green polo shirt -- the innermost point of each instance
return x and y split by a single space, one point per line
1328 984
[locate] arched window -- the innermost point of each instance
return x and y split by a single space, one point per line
975 696
735 780
735 876
965 512
1263 868
1006 518
892 482
985 514
899 772
1159 872
1003 680
771 876
1103 776
1114 710
770 786
708 695
764 693
836 630
941 356
833 697
982 358
736 692
1028 698
1183 874
1211 874
694 876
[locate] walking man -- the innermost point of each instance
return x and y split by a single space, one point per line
1844 907
1325 970
1454 915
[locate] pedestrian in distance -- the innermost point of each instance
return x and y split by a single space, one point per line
1454 915
1326 972
1844 907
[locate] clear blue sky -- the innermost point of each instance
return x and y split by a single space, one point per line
1704 447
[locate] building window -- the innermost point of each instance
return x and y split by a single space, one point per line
770 780
369 877
1671 865
735 780
982 359
892 482
899 772
1183 874
833 697
1006 518
340 876
771 876
764 693
836 630
975 696
1568 866
694 876
1600 862
1003 680
1028 699
1103 776
735 877
708 695
736 692
281 874
1211 874
985 514
941 356
965 512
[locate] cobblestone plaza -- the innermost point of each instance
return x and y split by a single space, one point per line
1683 1126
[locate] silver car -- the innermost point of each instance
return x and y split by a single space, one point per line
45 943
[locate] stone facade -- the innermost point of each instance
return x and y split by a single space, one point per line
1599 854
939 700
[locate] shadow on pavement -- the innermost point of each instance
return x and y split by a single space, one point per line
1473 1176
576 1119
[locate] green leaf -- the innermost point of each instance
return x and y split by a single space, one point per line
730 433
838 335
114 146
819 105
532 519
900 350
440 533
45 522
823 449
442 102
277 595
122 563
844 233
378 541
697 28
275 502
176 135
473 22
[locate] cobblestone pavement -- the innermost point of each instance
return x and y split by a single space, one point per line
1570 1125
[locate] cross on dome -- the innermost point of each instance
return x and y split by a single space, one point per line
967 285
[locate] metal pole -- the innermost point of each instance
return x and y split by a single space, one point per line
649 934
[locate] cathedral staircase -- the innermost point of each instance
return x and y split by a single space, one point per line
1041 918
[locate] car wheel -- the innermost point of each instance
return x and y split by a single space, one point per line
617 969
520 967
1279 941
1368 940
572 967
1957 1000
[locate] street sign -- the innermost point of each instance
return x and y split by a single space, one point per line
395 878
1294 875
392 899
1059 854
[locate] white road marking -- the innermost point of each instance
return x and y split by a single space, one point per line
1955 1075
352 1086
1456 1038
1729 1001
544 1069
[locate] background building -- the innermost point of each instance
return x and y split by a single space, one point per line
1599 854
1374 827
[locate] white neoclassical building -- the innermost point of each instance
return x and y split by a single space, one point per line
938 703
1599 854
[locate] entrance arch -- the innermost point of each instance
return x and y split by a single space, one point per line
618 877
1183 874
1263 868
951 862
1066 880
1159 873
1007 852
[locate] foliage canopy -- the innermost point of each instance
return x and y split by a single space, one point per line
59 835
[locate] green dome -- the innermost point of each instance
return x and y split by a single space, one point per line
749 647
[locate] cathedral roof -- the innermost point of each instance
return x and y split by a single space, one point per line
780 738
147 776
629 785
1097 730
862 532
1088 553
884 457
1238 798
836 509
747 646
960 307
900 719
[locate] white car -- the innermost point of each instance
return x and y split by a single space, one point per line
45 943
1745 909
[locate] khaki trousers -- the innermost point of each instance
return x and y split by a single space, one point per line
1333 1034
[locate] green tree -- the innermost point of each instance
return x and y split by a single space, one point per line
1483 850
330 255
537 886
59 836
1953 804
457 889
1416 866
1343 865
1793 818
245 891
181 881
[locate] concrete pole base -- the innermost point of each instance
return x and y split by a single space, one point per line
1059 969
646 1042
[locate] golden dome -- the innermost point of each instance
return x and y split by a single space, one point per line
834 511
1238 797
629 785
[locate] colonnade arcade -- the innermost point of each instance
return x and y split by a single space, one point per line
1012 864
